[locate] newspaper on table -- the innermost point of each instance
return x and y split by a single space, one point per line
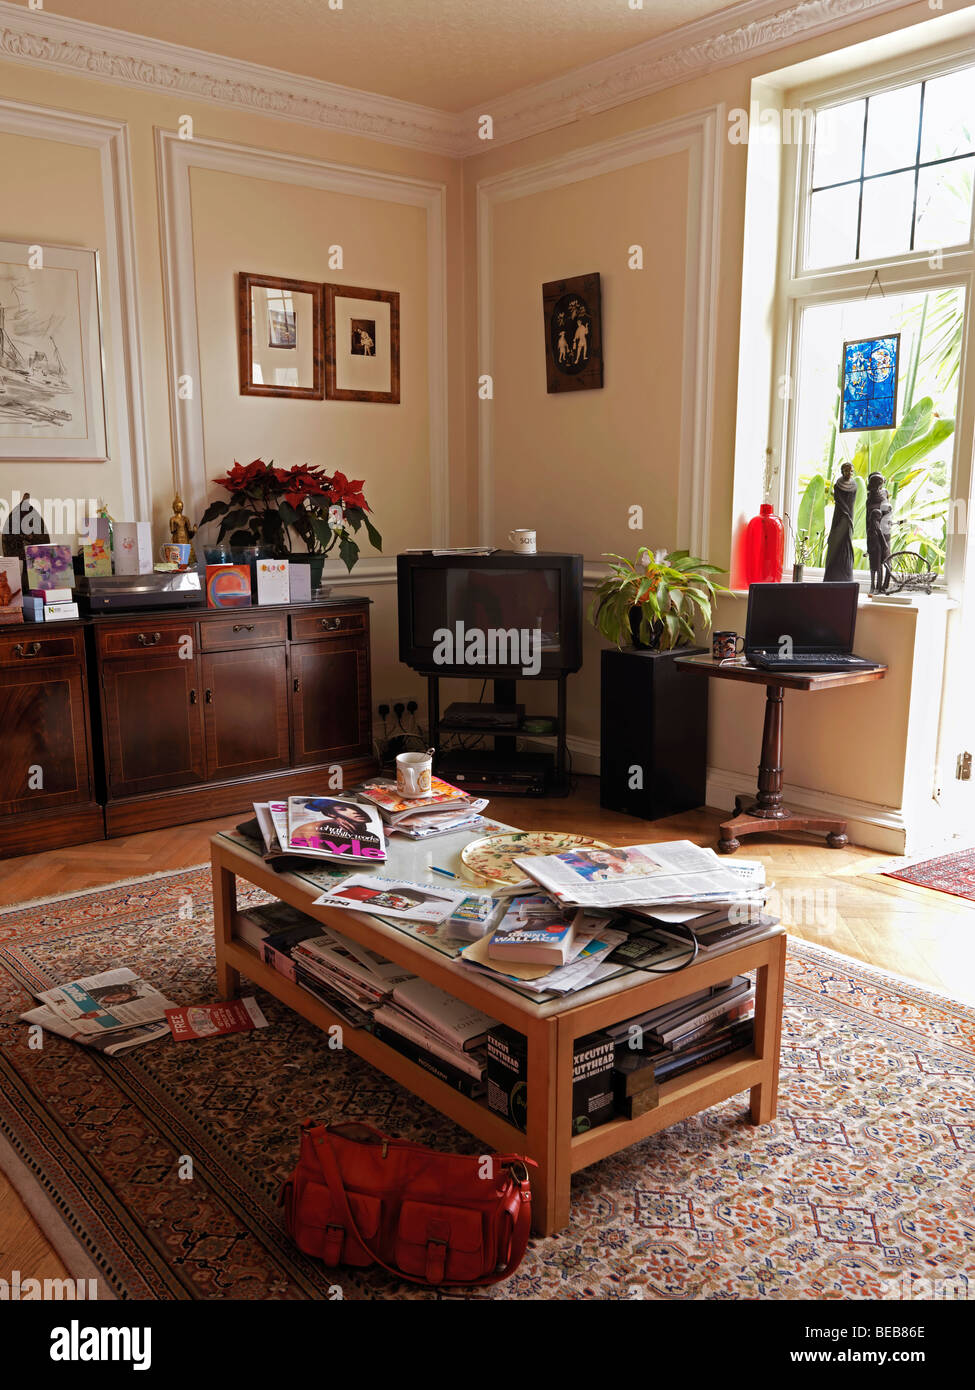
673 873
107 1002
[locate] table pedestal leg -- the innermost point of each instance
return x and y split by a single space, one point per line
767 812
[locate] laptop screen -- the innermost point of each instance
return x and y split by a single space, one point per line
818 617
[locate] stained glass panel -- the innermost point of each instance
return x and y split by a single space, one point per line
870 383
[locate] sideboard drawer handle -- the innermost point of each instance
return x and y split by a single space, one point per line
243 627
330 624
31 649
145 640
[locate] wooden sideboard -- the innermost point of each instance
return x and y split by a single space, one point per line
192 714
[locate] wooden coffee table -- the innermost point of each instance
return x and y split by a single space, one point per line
550 1027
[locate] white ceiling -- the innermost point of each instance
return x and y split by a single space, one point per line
448 54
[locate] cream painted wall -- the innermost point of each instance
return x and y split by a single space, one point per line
572 464
54 198
856 745
282 229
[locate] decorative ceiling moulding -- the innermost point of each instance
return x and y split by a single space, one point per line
113 55
728 37
686 53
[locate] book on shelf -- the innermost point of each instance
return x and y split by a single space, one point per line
459 1023
410 1027
363 976
339 1005
592 1081
738 1036
444 1071
535 930
394 809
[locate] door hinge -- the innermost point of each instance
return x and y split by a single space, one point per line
963 767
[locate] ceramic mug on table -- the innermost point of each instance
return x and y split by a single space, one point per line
413 773
724 645
522 542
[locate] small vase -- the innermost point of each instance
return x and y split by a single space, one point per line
764 547
797 573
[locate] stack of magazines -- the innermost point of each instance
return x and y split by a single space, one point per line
444 809
687 1033
352 980
109 1013
331 828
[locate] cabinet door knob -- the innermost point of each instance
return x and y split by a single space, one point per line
146 639
208 697
192 697
297 685
31 649
330 624
243 627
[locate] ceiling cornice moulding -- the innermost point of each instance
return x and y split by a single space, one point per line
680 56
114 55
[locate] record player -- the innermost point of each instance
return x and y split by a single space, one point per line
119 593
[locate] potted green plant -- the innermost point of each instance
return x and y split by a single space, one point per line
654 600
275 509
804 549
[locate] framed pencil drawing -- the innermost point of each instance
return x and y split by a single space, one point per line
52 403
361 344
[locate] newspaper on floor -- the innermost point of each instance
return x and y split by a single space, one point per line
119 1040
675 872
107 1002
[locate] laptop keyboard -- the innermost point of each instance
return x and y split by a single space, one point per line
813 658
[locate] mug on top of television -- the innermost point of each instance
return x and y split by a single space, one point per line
724 645
522 542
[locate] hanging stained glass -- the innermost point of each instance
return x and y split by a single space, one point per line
870 383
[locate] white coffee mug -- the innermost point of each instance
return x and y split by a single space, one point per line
523 542
413 772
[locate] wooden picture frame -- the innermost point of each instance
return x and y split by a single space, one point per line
573 316
297 330
361 344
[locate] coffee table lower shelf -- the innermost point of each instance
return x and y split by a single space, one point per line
551 1031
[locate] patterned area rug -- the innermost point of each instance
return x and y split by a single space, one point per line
862 1188
949 873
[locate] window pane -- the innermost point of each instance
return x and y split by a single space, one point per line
885 223
838 145
949 115
931 326
944 204
833 226
892 122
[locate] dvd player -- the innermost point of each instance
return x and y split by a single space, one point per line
476 770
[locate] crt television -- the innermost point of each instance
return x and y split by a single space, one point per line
497 596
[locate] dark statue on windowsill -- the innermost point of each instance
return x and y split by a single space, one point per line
24 526
839 547
878 533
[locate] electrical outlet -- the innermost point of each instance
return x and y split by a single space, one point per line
394 700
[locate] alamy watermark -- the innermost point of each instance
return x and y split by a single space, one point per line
494 646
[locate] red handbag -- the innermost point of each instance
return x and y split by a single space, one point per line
358 1197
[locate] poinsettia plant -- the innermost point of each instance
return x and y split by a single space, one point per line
278 507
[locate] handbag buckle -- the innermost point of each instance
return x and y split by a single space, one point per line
519 1171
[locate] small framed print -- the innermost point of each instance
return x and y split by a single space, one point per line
279 337
870 383
573 334
361 344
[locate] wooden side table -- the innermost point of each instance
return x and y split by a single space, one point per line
766 812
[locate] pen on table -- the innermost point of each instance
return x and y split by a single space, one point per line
446 872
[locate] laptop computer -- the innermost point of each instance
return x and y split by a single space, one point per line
803 627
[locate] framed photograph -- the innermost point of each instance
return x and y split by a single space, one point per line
573 334
361 344
870 383
279 337
52 403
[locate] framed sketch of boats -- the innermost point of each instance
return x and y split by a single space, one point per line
52 403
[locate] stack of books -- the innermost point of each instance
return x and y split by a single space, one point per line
678 1037
49 605
445 809
350 979
441 1034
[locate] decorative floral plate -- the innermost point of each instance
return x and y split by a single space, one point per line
491 860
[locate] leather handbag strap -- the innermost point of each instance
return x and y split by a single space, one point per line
519 1234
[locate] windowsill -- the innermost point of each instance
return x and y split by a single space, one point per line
882 601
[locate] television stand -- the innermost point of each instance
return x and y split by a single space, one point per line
502 770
